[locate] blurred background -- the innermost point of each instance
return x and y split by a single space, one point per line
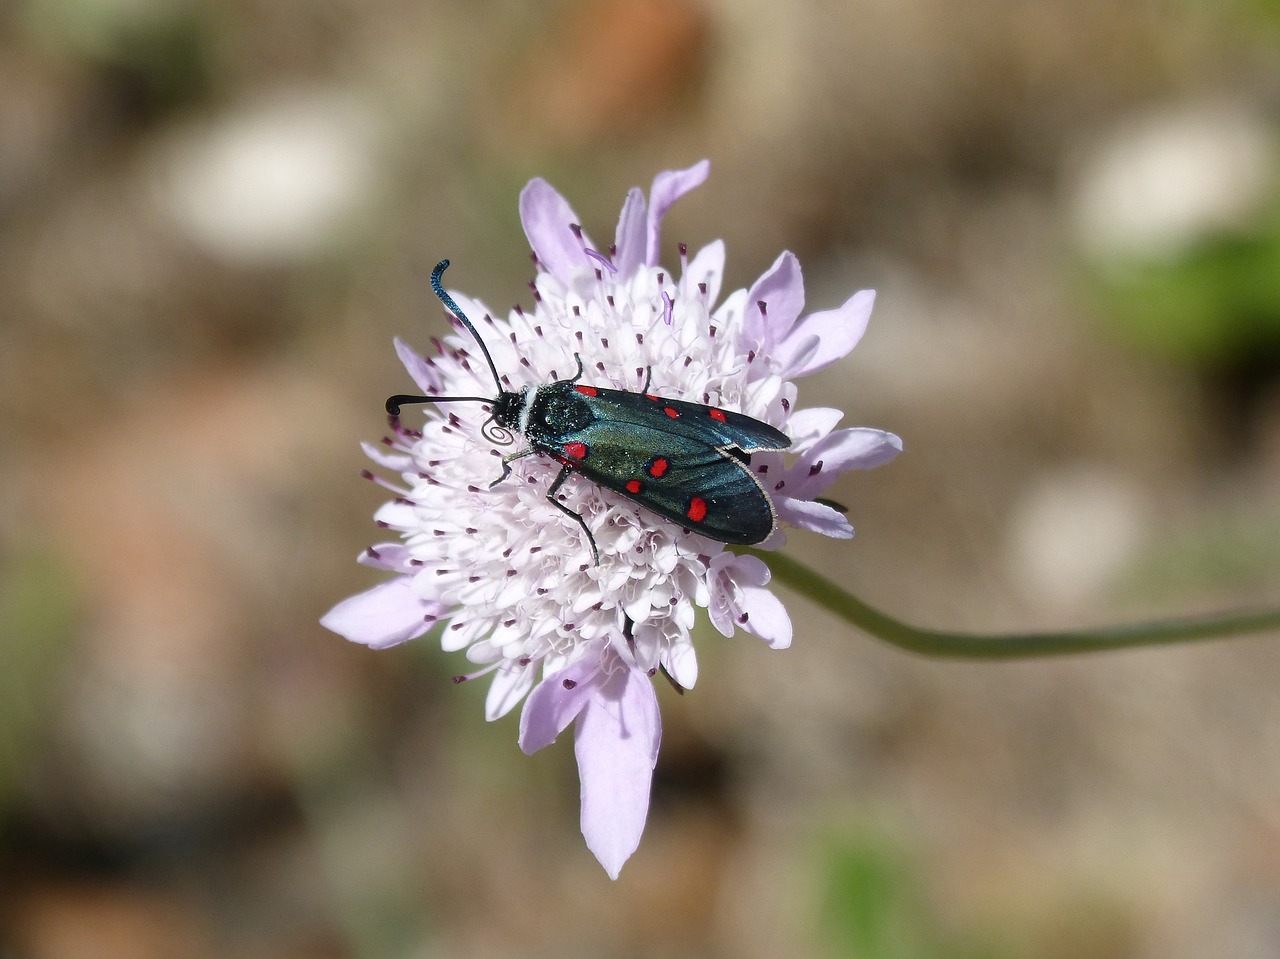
215 215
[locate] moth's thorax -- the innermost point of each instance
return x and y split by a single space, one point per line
542 412
555 410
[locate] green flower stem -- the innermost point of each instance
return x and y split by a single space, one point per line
933 642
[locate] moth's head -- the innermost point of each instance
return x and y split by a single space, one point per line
507 407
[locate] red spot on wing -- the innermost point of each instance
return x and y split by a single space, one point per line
658 466
717 414
673 413
697 510
650 396
633 486
586 390
575 451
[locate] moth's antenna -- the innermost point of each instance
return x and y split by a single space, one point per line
447 300
402 399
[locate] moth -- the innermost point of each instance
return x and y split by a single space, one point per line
687 462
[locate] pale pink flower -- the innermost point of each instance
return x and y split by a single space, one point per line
511 579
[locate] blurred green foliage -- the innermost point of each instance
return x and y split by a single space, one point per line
1226 551
875 906
1216 303
161 51
38 615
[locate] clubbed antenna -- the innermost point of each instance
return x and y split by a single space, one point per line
447 300
403 399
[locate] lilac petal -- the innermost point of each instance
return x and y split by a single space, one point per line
731 313
462 632
396 515
797 353
750 569
387 615
551 707
682 663
616 742
817 517
386 458
837 332
423 374
390 556
509 685
819 466
855 448
809 425
766 616
669 186
720 614
781 289
707 267
721 586
630 237
729 577
547 217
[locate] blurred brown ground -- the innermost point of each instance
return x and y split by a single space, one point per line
191 767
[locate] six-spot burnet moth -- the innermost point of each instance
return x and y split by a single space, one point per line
685 461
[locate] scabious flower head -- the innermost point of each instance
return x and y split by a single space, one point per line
511 579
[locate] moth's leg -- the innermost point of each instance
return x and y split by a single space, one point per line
551 496
578 375
506 464
648 378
